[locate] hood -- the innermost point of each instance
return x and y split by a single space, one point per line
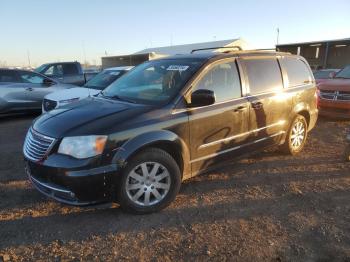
335 84
91 116
76 92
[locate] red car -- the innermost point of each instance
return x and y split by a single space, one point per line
324 74
334 95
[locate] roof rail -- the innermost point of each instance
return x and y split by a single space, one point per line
219 47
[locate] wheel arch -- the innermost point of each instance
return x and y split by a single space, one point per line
304 110
163 139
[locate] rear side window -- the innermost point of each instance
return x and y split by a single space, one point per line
297 71
264 75
8 76
70 69
224 80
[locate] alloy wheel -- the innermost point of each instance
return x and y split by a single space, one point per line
298 135
148 183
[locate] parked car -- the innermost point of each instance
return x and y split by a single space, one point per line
91 88
65 72
322 74
22 90
334 95
168 120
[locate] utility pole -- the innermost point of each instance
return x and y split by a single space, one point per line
84 53
28 55
278 36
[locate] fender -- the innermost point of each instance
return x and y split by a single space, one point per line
147 139
301 106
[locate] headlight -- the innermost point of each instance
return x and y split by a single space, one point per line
68 101
82 146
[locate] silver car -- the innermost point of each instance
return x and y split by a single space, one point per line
22 90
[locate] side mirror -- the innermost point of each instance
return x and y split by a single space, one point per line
332 74
202 97
48 82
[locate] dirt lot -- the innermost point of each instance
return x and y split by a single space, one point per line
266 207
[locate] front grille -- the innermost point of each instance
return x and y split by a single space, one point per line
37 146
49 104
335 95
343 95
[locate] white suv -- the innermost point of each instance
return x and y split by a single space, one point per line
92 87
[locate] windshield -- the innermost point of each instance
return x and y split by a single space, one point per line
322 74
104 79
344 73
154 82
40 68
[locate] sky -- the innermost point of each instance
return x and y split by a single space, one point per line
66 30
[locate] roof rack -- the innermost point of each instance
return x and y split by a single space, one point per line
213 48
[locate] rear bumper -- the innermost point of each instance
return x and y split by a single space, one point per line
83 186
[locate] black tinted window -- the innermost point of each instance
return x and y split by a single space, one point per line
70 69
224 80
264 75
8 76
297 71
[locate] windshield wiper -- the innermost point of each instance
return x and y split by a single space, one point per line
116 97
342 77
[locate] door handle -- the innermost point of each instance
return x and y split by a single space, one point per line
239 109
257 105
29 89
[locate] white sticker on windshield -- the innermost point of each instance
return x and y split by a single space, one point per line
177 68
115 73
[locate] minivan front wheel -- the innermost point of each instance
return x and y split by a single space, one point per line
150 182
296 137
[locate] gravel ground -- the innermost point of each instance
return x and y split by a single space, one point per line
266 207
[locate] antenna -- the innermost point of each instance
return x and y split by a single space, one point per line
28 55
278 35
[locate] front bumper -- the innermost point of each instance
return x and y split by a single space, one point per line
73 182
335 109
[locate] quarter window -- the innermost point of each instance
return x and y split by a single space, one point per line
224 80
297 72
264 75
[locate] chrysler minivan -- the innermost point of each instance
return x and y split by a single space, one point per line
166 121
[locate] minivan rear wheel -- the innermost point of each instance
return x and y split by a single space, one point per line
296 136
150 182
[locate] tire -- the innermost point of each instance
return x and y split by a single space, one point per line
149 182
296 136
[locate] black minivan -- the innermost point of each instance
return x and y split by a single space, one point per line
166 121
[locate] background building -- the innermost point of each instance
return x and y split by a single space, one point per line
157 52
321 54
